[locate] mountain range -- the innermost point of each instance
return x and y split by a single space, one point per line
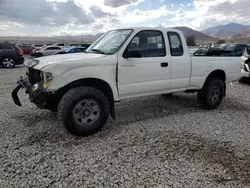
199 36
230 32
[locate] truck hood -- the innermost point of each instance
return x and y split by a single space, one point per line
65 59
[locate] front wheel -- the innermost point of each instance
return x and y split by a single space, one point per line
212 93
8 62
83 110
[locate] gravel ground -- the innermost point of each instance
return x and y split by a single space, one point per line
155 142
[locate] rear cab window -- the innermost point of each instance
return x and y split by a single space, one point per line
175 43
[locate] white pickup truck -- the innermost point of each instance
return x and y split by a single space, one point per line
121 64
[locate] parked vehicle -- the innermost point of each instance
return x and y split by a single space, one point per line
200 52
192 49
10 55
86 45
27 49
38 46
71 50
48 50
246 65
73 45
59 44
227 50
121 64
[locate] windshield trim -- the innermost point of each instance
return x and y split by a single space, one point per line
89 49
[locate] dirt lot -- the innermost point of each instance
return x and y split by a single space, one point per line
155 142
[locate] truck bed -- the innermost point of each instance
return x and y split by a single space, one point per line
203 65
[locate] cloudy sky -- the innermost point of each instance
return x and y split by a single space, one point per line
75 17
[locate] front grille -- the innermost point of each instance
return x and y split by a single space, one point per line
34 76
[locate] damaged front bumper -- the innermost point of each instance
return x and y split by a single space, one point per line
37 93
22 83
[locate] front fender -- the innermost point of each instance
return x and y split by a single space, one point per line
106 73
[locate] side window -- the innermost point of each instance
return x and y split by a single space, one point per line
150 43
53 48
5 47
50 48
176 47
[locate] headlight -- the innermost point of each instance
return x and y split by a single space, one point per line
31 63
47 78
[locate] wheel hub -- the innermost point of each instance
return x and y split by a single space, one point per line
214 93
8 62
86 112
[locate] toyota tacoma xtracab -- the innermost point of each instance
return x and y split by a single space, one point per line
121 64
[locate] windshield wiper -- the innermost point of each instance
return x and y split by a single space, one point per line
98 51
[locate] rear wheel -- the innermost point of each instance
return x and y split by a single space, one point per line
39 55
83 110
212 93
167 95
8 62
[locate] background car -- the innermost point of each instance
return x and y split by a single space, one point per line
59 44
38 46
48 50
246 65
86 45
26 48
10 55
227 50
71 50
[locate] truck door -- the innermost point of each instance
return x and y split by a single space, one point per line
144 67
181 62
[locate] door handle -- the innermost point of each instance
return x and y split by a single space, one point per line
164 64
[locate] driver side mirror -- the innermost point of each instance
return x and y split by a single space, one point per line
134 53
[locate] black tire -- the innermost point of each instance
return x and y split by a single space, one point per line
212 93
39 54
244 80
167 95
71 99
11 59
51 106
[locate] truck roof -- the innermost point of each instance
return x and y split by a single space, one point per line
150 28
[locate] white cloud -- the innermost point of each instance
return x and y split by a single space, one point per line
212 12
138 16
93 16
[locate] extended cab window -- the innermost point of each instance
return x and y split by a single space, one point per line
176 47
150 43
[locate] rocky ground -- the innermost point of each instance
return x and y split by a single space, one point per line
155 142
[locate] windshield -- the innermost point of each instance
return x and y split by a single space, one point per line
110 42
222 46
230 47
